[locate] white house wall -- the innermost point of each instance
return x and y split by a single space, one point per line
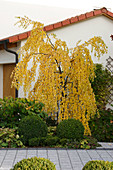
6 57
84 30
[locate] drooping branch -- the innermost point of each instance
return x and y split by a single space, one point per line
60 71
65 83
50 42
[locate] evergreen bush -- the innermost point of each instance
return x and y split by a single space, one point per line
102 127
30 127
100 85
70 129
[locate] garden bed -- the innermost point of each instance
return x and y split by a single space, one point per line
43 132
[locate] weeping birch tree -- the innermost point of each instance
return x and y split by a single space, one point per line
62 83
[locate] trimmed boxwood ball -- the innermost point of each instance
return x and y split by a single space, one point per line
32 127
34 163
98 165
70 129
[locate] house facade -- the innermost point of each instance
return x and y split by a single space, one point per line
83 27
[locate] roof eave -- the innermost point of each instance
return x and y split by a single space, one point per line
76 19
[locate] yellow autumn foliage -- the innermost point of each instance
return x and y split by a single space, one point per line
62 83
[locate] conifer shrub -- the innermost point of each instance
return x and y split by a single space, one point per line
101 85
98 165
70 129
30 127
34 163
102 127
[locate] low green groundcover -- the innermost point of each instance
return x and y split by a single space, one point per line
34 163
9 138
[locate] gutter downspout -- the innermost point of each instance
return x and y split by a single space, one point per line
13 52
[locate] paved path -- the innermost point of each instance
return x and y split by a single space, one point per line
65 159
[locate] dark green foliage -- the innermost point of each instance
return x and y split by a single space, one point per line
13 110
51 122
34 164
51 140
100 85
30 127
70 129
98 165
42 141
9 138
102 128
34 142
63 141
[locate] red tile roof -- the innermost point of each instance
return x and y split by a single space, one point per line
82 17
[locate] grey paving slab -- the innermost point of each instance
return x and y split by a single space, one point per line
108 159
93 154
64 159
110 152
103 153
106 145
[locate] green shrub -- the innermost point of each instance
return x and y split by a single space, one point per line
102 128
34 142
42 141
70 129
98 165
51 122
52 140
100 85
13 110
63 141
34 164
9 138
31 127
